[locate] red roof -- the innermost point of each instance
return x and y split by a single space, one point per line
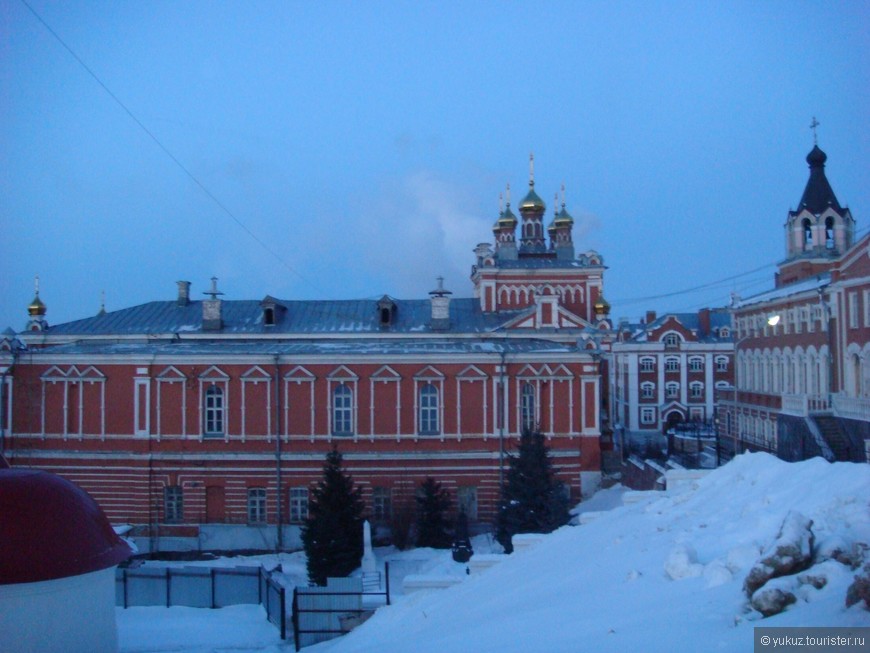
51 528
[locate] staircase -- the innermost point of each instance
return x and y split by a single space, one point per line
371 582
833 433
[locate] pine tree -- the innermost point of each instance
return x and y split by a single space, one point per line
533 500
433 502
333 533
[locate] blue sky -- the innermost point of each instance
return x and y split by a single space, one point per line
364 145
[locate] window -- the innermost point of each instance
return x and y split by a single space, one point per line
466 497
672 390
173 504
867 308
647 415
696 390
428 419
853 310
214 410
528 407
647 390
829 233
269 316
725 332
256 505
6 404
808 234
647 364
298 504
672 364
696 364
142 407
342 410
672 340
382 504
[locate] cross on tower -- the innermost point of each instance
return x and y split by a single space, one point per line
815 123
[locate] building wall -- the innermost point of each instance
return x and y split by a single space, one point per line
125 431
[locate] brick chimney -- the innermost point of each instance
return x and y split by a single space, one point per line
211 309
440 299
704 322
183 293
650 317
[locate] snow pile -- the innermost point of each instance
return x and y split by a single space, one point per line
664 574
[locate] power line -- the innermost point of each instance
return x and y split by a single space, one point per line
168 153
686 291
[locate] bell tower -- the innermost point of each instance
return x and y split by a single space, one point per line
819 229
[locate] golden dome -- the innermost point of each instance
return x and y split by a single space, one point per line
532 202
36 307
506 219
602 305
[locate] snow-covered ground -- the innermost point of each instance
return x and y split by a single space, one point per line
663 574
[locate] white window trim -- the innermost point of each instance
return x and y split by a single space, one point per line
139 428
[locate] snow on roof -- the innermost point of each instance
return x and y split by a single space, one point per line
813 283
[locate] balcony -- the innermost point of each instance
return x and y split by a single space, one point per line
803 405
857 408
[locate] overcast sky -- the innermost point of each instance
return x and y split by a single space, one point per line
359 148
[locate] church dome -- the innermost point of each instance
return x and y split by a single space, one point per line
563 218
52 529
532 202
506 219
36 307
602 305
816 157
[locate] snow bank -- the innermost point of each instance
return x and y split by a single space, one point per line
609 585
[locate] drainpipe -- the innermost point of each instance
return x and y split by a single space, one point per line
502 407
279 542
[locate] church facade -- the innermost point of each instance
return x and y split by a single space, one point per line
803 347
203 423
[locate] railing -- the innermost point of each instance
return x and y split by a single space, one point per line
202 587
803 405
857 408
322 613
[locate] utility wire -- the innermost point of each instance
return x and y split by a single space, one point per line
168 153
686 291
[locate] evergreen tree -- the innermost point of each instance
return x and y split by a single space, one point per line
433 502
333 533
533 500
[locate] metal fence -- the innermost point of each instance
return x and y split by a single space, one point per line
202 587
322 613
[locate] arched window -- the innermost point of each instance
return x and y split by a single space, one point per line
808 233
342 410
829 233
214 411
428 409
527 407
672 390
647 390
696 390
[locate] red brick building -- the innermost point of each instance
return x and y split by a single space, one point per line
803 348
666 371
205 422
